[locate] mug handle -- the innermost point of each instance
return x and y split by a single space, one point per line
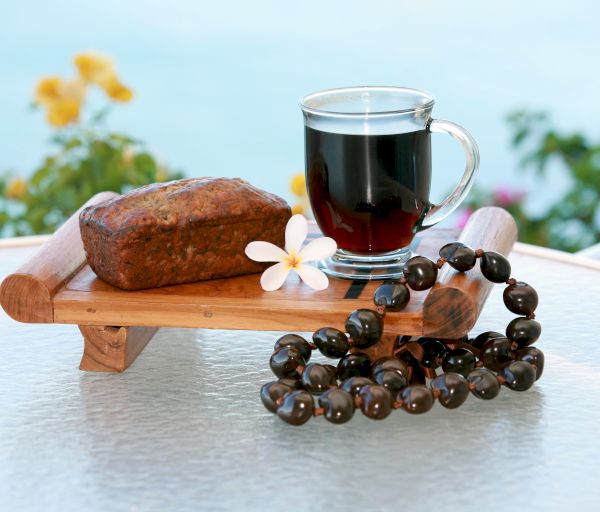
438 212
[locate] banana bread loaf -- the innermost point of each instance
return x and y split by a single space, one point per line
180 232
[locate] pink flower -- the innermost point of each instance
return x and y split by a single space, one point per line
463 218
504 196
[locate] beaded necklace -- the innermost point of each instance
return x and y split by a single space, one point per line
479 365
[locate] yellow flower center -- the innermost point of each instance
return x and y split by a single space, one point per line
293 261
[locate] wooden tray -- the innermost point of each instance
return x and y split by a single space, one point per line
57 286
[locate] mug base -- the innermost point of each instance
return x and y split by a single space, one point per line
361 267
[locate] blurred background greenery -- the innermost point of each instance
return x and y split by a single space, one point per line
216 88
571 221
86 157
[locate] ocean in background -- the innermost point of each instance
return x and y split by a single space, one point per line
217 83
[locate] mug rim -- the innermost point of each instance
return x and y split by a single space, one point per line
430 101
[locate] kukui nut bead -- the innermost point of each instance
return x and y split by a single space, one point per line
271 392
523 331
448 250
495 354
494 267
434 352
376 402
484 337
293 381
392 379
353 385
520 298
416 399
354 365
390 363
459 360
338 405
285 361
365 326
331 342
393 295
297 407
317 378
420 272
296 341
459 256
483 383
452 389
519 375
534 356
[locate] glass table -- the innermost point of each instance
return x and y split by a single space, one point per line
184 429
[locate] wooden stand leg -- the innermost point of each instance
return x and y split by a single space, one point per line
112 349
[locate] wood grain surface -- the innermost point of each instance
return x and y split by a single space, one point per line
234 303
27 294
451 306
112 349
57 286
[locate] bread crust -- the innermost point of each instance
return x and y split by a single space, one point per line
180 232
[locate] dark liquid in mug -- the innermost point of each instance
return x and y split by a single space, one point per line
368 192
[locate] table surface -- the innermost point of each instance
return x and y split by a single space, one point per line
184 429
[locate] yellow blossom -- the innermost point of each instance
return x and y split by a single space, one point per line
63 112
62 99
94 68
298 208
298 185
98 69
118 91
48 90
16 188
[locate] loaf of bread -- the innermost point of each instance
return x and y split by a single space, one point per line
180 232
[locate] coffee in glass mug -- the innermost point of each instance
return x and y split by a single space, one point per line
368 174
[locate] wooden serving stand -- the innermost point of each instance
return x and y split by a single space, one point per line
57 286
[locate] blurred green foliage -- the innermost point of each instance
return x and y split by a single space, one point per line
86 160
572 222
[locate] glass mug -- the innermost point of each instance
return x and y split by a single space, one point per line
368 174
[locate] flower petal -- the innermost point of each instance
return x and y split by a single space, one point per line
264 251
274 277
295 233
313 277
318 249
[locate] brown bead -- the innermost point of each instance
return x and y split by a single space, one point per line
376 402
523 331
495 354
392 379
317 378
420 273
533 356
296 341
518 376
297 407
452 389
393 295
353 385
271 392
483 383
389 363
520 298
338 405
416 399
495 267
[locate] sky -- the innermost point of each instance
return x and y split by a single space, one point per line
217 83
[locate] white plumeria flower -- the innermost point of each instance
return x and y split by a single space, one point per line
294 257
